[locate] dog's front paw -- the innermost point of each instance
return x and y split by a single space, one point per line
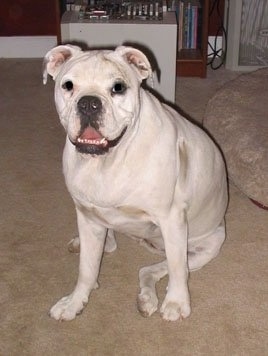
147 302
172 311
68 307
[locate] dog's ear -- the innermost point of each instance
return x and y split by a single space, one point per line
55 58
137 60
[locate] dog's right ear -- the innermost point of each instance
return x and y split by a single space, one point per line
55 58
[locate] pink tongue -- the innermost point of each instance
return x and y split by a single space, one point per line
90 134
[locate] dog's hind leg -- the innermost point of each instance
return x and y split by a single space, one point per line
110 244
149 276
205 248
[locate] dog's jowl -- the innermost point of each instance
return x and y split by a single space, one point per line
134 165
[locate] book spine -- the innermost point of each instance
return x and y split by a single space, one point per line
185 27
189 26
199 28
180 19
194 27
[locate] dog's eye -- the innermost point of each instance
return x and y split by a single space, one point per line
68 85
119 88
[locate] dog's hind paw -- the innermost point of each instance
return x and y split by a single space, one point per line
147 303
110 244
67 308
172 311
74 245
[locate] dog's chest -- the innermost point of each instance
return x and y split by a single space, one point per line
109 185
120 215
109 198
105 193
126 219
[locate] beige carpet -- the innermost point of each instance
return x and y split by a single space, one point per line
229 296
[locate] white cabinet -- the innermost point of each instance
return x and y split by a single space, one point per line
159 38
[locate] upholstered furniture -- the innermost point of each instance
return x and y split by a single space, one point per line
237 118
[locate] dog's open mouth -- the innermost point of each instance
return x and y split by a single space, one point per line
91 141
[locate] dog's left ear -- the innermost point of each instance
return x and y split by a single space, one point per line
55 58
137 60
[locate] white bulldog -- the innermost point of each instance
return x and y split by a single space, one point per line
134 165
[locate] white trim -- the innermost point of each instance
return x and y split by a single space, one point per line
26 46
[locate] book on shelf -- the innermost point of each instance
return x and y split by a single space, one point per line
189 24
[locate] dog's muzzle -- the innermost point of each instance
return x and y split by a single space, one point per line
90 140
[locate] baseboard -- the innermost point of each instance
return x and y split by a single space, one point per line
26 46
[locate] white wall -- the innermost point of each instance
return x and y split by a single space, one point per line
26 46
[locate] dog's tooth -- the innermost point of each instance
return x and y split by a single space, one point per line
103 141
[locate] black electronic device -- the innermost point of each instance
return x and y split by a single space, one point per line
122 10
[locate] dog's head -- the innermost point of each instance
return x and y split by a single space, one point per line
97 93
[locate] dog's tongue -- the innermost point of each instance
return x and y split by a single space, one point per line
90 134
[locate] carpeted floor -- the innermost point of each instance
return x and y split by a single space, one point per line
229 295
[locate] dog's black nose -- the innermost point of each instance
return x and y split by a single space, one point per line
89 105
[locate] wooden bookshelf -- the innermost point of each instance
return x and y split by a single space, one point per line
30 18
193 62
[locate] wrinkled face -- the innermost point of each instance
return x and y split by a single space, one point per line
97 99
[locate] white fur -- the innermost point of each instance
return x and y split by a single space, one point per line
164 183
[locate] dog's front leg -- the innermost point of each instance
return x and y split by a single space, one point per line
177 301
92 238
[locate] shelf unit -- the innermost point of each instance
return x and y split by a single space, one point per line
155 38
30 18
193 62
